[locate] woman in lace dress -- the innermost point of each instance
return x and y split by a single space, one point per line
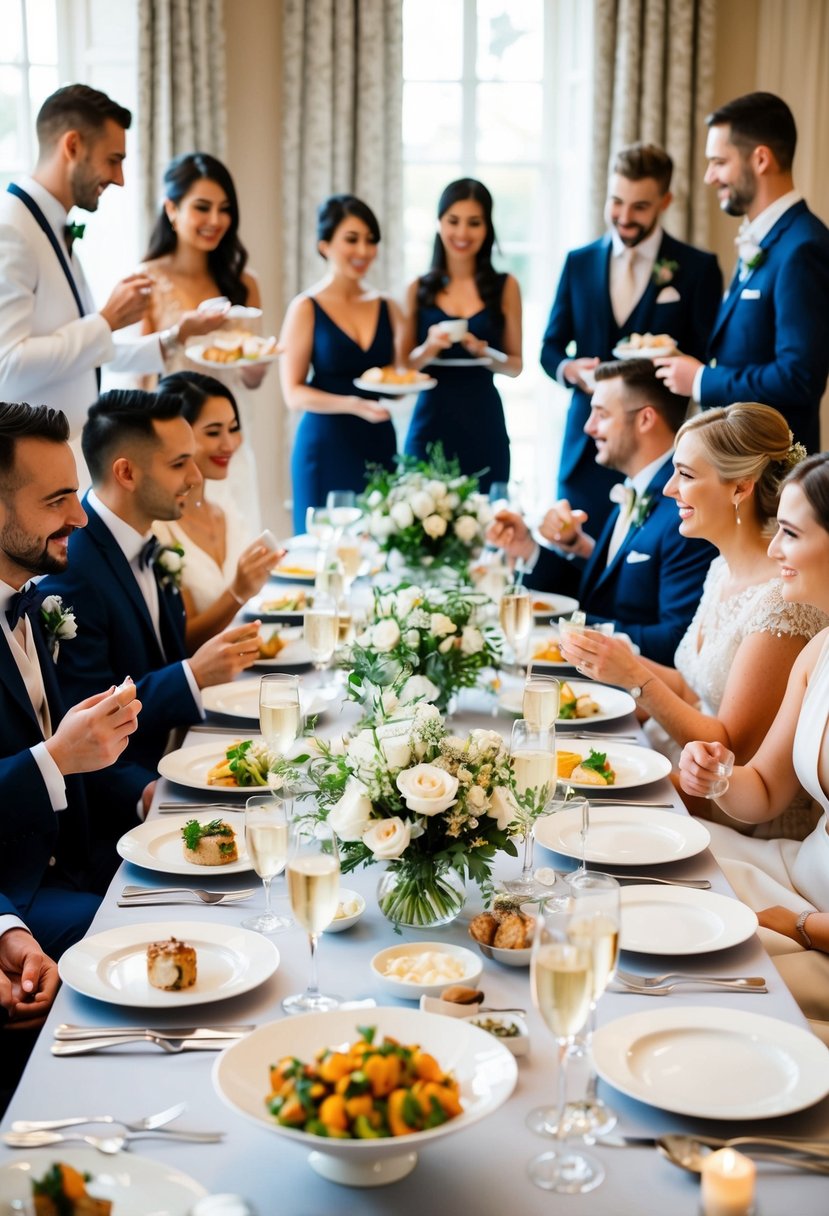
734 660
194 255
785 882
222 568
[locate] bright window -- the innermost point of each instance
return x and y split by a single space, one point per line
500 90
29 71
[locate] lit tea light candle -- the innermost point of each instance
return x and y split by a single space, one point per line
727 1184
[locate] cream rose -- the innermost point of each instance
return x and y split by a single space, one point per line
472 640
466 528
385 635
422 504
351 816
434 526
441 625
397 750
418 688
402 515
388 838
427 790
502 807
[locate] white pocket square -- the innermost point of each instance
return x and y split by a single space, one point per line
749 293
634 556
668 295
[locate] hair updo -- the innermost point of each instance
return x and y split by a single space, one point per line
748 441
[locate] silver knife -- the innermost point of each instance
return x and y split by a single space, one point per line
81 1046
67 1032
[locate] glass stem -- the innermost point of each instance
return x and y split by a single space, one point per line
313 986
527 868
561 1120
266 883
591 1094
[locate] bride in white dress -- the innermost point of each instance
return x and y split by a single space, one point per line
732 665
786 883
222 567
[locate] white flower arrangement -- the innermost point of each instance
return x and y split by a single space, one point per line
58 622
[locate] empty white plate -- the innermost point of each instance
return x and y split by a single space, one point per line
680 920
624 835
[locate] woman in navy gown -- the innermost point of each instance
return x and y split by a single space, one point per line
464 411
336 330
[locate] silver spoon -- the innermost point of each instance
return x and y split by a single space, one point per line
689 1152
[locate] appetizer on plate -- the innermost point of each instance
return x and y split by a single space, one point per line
571 706
594 769
503 929
209 844
297 601
171 965
270 647
647 345
393 375
244 763
235 345
62 1192
549 652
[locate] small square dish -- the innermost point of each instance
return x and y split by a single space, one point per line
507 1028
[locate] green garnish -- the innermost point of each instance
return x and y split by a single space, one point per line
567 711
193 832
249 766
598 762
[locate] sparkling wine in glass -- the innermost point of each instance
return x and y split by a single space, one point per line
540 701
314 889
267 820
280 715
515 612
533 762
330 578
350 557
342 510
321 628
319 525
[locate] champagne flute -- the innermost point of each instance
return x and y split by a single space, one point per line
561 974
330 578
342 510
314 888
320 629
540 701
267 819
533 763
515 612
350 556
318 524
280 714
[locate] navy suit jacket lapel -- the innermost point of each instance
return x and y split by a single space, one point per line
605 319
113 555
606 570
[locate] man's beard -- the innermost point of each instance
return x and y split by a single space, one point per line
85 188
32 555
740 196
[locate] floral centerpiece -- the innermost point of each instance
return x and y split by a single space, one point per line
435 806
420 645
427 511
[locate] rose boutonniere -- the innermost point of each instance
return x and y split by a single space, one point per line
58 622
751 254
641 510
663 271
169 562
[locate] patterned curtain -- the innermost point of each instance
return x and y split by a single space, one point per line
181 87
653 80
342 74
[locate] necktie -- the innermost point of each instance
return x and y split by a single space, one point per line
620 528
625 294
23 603
148 552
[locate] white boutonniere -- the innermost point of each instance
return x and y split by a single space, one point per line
169 562
641 510
663 271
59 623
751 254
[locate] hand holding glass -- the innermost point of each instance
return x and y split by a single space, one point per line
267 817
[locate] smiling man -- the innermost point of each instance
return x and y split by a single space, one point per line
770 341
635 279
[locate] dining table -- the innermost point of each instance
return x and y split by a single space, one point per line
481 1170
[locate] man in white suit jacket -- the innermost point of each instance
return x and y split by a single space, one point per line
53 341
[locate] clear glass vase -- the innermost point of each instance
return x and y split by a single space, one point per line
421 894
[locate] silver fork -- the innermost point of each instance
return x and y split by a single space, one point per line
667 989
207 897
173 1047
656 981
146 1124
696 884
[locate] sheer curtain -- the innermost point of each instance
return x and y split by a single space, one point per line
181 87
342 71
653 80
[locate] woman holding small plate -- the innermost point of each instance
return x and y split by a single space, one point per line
464 321
732 665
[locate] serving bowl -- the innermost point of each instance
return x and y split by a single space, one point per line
413 990
510 958
483 1066
345 922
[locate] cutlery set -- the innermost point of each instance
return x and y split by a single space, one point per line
689 1152
663 985
40 1133
80 1040
148 896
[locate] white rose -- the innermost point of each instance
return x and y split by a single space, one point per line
385 635
466 528
361 750
364 638
487 740
434 526
472 640
397 750
52 603
425 712
418 688
380 526
389 701
374 499
171 561
388 838
452 500
427 790
351 816
476 798
402 515
412 638
385 605
68 628
422 504
446 645
502 807
408 598
437 489
441 624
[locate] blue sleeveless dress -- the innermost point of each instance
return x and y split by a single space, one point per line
331 450
464 410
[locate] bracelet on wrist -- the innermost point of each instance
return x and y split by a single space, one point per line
170 341
238 598
801 928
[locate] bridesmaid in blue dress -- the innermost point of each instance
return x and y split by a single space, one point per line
335 331
464 411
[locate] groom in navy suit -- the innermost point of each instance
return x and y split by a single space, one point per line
44 839
140 454
636 279
770 342
641 572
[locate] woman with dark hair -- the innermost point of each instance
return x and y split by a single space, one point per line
332 333
195 254
221 569
786 882
462 291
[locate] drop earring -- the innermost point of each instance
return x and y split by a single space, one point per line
737 513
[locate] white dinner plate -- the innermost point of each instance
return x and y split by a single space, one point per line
545 605
623 351
395 390
112 966
297 566
190 765
196 355
680 920
624 835
294 653
713 1063
134 1185
240 698
613 703
157 845
265 606
632 764
539 640
483 361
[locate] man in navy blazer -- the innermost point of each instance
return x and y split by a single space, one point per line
140 454
636 279
770 342
44 838
641 573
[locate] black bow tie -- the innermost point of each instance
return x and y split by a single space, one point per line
23 603
147 554
72 233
